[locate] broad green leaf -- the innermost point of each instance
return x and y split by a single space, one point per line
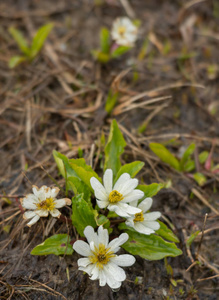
111 101
203 156
82 214
164 154
132 169
120 51
114 148
167 233
151 247
63 164
191 238
20 39
105 40
16 60
83 171
189 166
200 178
151 189
186 155
39 39
58 244
78 187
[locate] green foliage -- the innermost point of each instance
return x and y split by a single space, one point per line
191 238
114 148
39 39
78 187
132 169
111 101
105 40
82 214
58 244
165 155
151 247
186 155
151 189
120 51
166 233
29 52
200 178
203 156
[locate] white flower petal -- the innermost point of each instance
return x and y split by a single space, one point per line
82 248
33 221
87 269
129 186
146 204
152 216
41 193
95 273
99 190
103 236
138 226
54 192
114 244
102 204
124 260
55 213
108 180
102 278
133 196
90 235
151 224
62 202
121 181
29 202
29 214
42 212
117 272
83 262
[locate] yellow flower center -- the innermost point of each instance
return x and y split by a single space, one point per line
47 204
115 197
139 217
101 256
121 30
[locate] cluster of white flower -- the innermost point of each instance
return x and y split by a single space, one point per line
117 197
100 261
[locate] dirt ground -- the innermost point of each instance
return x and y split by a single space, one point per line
57 102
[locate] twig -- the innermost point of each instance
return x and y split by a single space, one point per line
203 229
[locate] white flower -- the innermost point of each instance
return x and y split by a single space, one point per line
144 222
42 202
116 197
124 32
101 262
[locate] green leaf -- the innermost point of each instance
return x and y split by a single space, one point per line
58 244
39 39
166 233
203 156
191 238
200 178
83 171
20 39
63 164
132 169
164 154
120 51
82 214
100 56
189 166
114 148
151 247
186 155
111 101
15 61
78 187
105 40
151 189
